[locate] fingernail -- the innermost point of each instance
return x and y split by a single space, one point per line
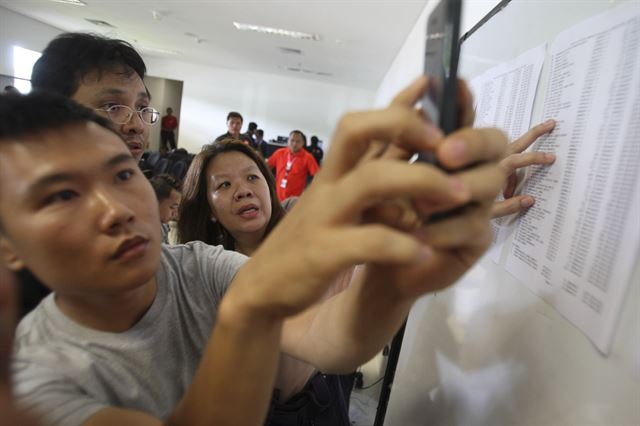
433 132
549 157
458 185
425 253
527 202
458 149
549 122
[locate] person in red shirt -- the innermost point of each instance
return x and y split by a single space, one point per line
293 165
167 132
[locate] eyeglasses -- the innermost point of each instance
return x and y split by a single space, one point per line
122 114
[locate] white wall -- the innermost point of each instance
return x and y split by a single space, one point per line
408 63
18 30
277 104
165 94
487 351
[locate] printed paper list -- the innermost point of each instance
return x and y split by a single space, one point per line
578 244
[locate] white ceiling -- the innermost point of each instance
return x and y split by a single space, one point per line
359 38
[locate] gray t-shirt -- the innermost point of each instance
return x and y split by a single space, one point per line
66 372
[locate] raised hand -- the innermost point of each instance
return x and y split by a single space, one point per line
515 159
458 241
301 257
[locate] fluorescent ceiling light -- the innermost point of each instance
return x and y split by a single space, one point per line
307 71
73 2
99 23
159 50
290 51
276 31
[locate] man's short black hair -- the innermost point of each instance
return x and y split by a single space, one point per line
234 114
252 126
38 112
260 132
302 135
163 184
70 57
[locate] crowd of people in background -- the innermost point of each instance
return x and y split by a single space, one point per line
293 166
254 137
138 332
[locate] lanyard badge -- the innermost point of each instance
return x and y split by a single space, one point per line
287 169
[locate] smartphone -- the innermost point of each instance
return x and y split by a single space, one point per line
442 51
440 102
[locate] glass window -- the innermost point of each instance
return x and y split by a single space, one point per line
23 60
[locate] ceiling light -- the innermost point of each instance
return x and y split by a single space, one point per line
73 2
148 49
196 38
290 51
157 15
305 70
100 23
277 31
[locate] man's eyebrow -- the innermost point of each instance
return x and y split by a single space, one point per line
110 91
49 180
52 179
146 95
118 92
119 159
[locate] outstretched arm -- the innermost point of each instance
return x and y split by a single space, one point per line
8 311
300 259
400 263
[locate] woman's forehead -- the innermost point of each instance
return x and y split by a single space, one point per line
230 163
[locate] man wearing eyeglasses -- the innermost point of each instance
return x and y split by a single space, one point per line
103 74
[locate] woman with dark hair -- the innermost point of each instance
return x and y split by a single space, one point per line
229 199
256 210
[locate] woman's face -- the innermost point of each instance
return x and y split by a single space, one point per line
238 194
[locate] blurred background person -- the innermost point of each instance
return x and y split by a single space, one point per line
315 150
294 166
169 124
234 125
167 190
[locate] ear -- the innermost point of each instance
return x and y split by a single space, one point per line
9 255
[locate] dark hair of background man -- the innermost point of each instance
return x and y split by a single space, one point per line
70 57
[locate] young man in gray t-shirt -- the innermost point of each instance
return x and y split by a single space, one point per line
138 334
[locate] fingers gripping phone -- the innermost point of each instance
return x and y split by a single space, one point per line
441 66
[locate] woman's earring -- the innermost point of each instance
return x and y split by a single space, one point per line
213 219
